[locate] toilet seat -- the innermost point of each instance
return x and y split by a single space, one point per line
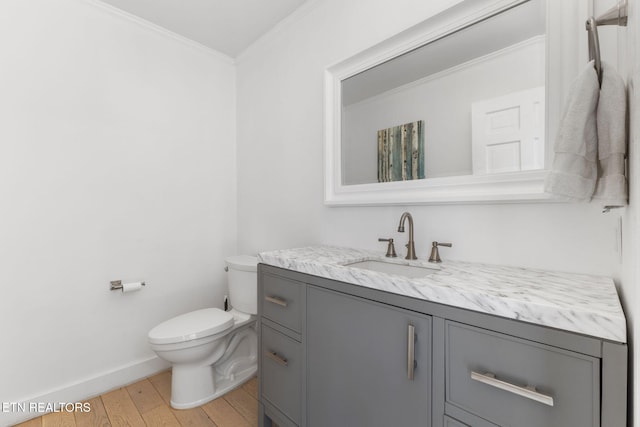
191 326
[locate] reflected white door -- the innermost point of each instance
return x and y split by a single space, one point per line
508 132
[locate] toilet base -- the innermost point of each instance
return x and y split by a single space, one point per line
193 386
222 386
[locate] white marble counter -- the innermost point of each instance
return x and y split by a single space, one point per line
579 303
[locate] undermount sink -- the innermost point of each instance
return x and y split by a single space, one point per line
411 271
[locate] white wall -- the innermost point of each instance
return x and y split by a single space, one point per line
629 62
117 161
280 178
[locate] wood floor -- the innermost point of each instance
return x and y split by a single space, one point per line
146 404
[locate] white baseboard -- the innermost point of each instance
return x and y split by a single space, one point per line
82 390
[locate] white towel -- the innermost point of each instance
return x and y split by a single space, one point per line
611 188
574 171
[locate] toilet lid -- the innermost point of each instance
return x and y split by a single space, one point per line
190 326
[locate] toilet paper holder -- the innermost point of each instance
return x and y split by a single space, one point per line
116 285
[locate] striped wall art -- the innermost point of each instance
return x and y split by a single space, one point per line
401 152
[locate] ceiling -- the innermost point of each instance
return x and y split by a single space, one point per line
228 26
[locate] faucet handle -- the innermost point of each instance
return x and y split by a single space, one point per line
391 250
435 254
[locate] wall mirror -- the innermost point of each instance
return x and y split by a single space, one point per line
461 108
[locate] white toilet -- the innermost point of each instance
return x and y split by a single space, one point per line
212 351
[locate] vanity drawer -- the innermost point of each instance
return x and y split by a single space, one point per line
487 374
450 422
281 372
282 301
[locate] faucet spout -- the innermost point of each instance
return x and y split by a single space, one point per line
411 250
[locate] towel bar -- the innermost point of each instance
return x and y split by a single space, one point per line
617 15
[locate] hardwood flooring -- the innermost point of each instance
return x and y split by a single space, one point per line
146 404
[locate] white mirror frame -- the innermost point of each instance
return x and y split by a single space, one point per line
565 50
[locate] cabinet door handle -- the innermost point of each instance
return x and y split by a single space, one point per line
276 358
411 351
276 300
529 392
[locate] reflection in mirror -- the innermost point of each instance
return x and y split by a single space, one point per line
469 103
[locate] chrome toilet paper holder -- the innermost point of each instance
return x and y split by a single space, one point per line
116 285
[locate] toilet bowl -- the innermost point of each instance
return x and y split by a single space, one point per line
211 350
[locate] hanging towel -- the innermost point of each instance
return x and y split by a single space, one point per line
574 171
611 188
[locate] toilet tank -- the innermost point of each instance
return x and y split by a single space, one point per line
242 282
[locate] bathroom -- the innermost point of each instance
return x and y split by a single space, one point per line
130 153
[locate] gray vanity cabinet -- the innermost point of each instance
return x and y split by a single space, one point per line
368 364
334 354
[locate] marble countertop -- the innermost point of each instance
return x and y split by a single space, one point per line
579 303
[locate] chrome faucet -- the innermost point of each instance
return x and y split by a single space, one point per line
411 250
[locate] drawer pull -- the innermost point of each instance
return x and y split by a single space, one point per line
411 351
528 392
276 300
276 358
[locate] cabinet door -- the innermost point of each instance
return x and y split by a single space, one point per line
359 357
